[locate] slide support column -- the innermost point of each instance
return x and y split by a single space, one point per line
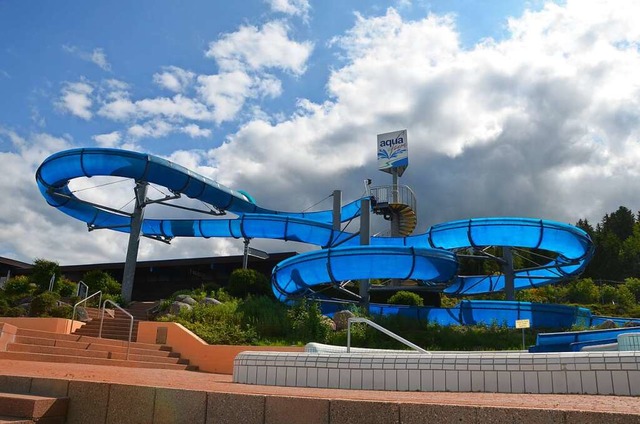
337 210
365 235
509 275
134 240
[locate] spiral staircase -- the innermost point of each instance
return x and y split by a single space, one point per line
398 205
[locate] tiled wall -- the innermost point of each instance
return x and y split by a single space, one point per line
605 373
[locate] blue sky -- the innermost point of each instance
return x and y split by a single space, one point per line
524 108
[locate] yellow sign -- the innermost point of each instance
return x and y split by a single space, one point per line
522 323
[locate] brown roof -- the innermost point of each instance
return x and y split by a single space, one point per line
14 263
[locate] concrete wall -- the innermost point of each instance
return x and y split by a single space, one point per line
209 358
52 325
102 403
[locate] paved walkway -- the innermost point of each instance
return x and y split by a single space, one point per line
223 383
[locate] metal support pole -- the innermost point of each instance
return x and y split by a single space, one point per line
365 235
245 258
134 240
337 209
509 274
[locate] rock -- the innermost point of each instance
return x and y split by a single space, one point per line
177 306
632 323
185 298
211 301
82 314
607 324
341 319
329 322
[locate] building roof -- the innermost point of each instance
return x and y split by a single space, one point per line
14 263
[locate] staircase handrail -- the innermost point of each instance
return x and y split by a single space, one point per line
73 317
395 194
383 330
104 307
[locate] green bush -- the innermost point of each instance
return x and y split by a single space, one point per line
100 280
65 287
42 271
19 286
308 323
406 298
583 291
266 315
42 304
244 282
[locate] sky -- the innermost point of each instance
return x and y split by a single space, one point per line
512 108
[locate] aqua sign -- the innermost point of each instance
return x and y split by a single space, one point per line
392 152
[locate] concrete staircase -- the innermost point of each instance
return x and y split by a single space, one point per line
23 409
116 324
35 345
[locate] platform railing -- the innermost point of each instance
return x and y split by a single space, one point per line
382 330
86 299
401 194
104 307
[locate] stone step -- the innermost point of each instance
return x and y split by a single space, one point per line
97 346
13 420
43 357
103 354
86 339
30 408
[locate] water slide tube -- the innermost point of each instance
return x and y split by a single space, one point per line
426 257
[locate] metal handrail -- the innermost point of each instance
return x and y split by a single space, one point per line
82 283
104 307
73 317
383 330
395 194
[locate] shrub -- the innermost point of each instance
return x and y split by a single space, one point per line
100 280
19 286
307 322
406 298
583 291
42 271
266 315
65 287
244 282
42 304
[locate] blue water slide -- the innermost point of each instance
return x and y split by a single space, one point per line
55 172
428 257
296 276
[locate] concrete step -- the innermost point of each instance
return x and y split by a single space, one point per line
95 346
29 408
102 354
13 420
43 357
56 337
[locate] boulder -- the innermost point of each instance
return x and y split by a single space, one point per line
341 319
82 314
211 301
185 298
632 323
606 324
177 306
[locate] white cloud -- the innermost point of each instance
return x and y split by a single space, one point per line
225 92
291 7
174 78
151 129
97 56
108 140
257 49
195 131
76 99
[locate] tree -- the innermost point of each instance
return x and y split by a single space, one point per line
42 271
100 280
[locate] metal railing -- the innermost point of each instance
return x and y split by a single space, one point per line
104 307
383 330
395 194
99 292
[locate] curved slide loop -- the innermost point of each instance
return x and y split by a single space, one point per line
428 257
